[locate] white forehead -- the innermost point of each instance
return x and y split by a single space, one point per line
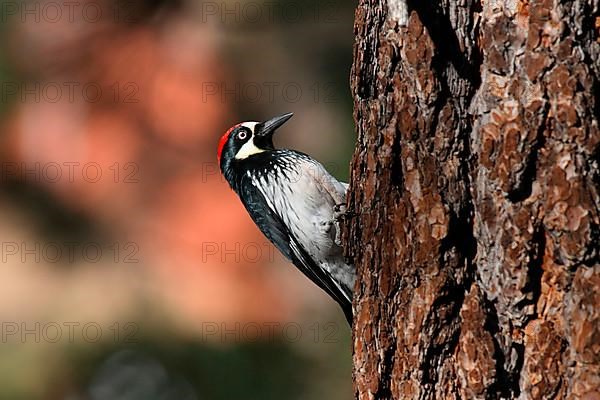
250 125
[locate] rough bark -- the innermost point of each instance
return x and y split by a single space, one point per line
474 206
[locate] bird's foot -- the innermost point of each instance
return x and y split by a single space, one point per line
339 210
339 213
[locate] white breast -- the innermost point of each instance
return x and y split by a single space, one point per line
304 198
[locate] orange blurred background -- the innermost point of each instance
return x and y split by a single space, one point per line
130 270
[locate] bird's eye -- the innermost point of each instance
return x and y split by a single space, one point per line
242 135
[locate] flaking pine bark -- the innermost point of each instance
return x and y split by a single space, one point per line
474 206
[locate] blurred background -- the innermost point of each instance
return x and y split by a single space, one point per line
129 269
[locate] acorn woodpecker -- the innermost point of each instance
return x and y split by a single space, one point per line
293 200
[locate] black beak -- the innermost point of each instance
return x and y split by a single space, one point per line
267 128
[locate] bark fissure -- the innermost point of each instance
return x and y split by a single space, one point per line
533 286
444 38
504 384
523 189
434 353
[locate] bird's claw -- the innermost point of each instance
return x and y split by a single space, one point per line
339 212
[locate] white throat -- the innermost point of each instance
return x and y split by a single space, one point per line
247 150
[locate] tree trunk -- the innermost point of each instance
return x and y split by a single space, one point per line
474 200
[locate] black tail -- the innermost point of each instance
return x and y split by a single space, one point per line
347 309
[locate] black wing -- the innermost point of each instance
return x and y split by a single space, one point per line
275 230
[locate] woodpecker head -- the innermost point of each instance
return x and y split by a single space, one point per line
247 139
